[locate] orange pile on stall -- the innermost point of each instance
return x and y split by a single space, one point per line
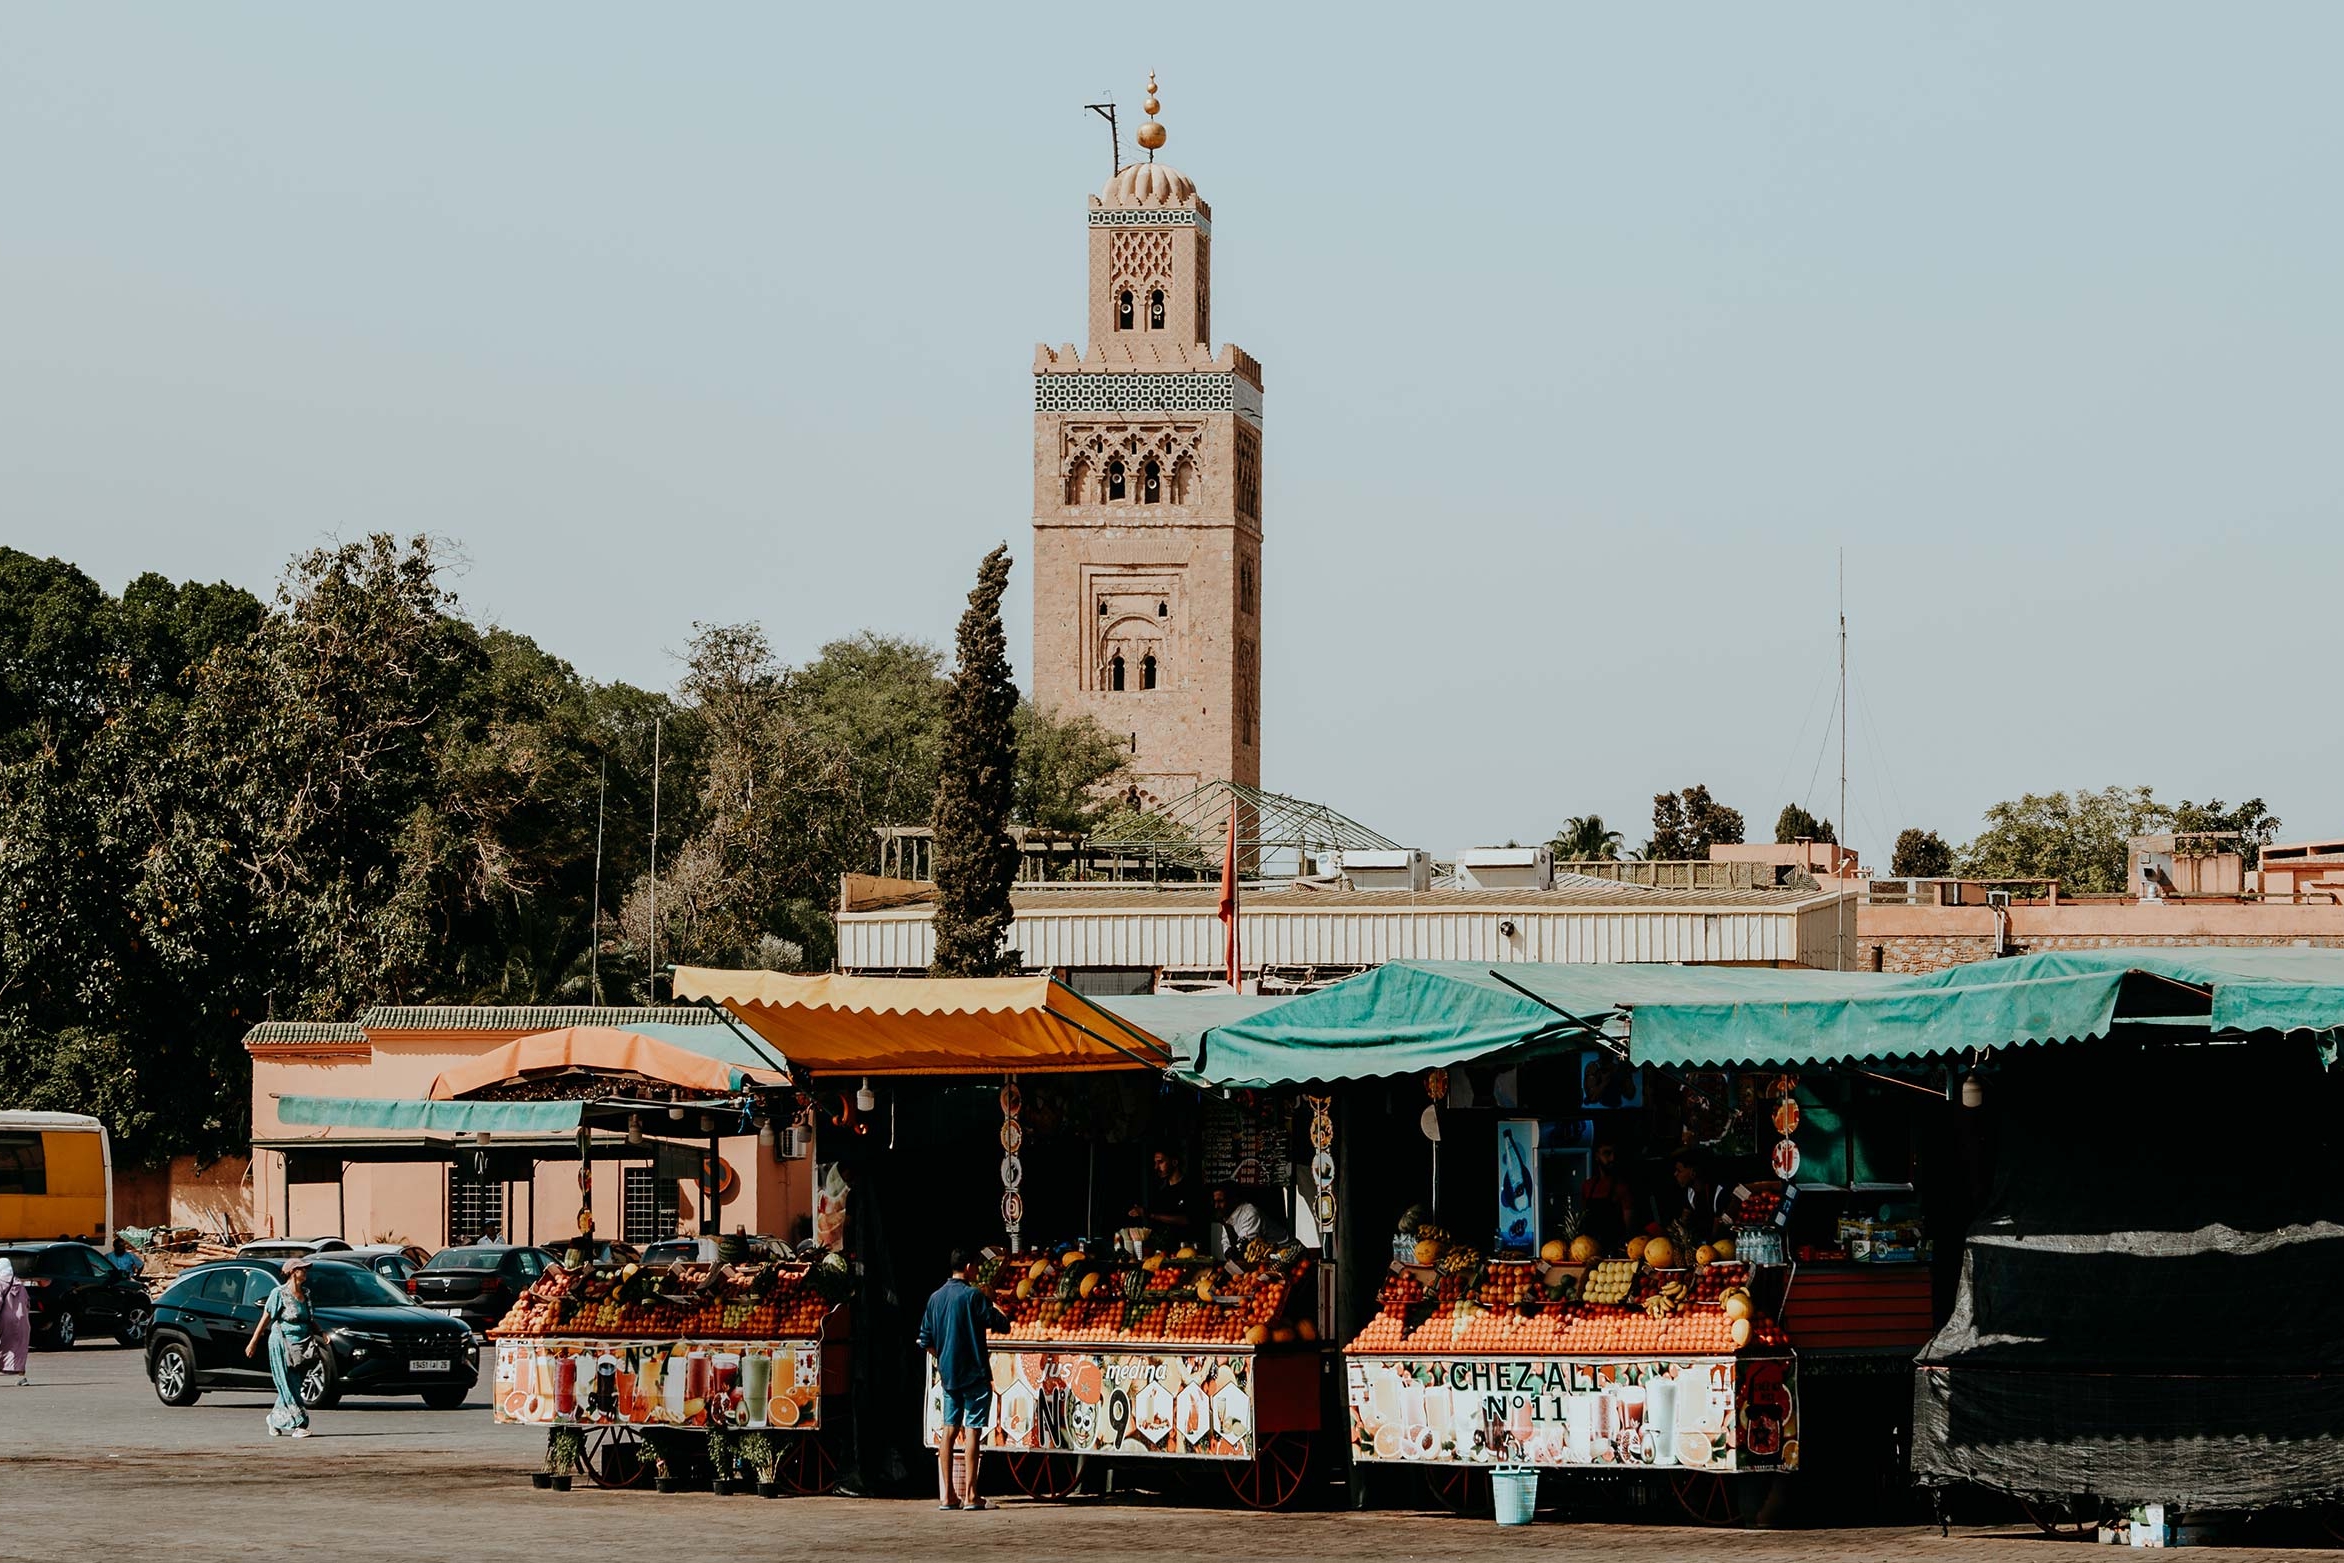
763 1300
1508 1311
1075 1299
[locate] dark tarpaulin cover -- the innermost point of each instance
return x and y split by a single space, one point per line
2149 1307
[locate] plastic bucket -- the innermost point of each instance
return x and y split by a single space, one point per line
1513 1491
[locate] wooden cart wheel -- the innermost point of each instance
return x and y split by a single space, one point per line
2330 1521
2066 1519
1273 1478
1707 1497
807 1467
615 1458
1047 1477
1457 1488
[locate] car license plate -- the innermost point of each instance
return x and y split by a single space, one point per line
428 1365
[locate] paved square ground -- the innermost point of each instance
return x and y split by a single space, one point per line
90 1462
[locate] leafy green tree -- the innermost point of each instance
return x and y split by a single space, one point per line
1794 823
975 860
1685 825
1066 769
2076 838
1921 854
2252 822
1585 838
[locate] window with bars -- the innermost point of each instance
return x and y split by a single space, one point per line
648 1211
475 1204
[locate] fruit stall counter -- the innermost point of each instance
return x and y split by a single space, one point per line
1604 1365
682 1352
1171 1358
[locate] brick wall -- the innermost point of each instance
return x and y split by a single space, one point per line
1916 953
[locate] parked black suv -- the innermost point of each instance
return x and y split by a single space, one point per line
478 1283
382 1344
77 1291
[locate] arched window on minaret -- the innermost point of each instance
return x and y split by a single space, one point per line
1163 609
1115 480
1115 672
1151 484
1156 309
1123 310
1147 671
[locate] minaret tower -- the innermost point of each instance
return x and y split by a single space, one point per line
1147 497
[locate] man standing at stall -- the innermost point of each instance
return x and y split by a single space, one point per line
1175 1211
953 1332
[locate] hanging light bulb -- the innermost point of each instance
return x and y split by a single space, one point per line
866 1099
677 1113
765 1136
634 1128
1973 1091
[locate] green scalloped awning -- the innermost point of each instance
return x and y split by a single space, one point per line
374 1112
1411 1016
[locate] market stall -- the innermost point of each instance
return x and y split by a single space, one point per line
1122 1351
1165 1356
650 1371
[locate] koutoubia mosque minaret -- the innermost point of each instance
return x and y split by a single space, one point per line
1148 497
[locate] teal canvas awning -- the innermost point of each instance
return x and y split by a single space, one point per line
370 1112
1180 1020
1411 1016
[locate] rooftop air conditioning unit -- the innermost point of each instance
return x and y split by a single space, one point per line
1506 868
1388 868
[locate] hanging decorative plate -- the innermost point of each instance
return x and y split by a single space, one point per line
1786 1116
1012 1172
1322 1168
1322 1131
1013 1209
1786 1159
1436 1085
1011 1100
1012 1136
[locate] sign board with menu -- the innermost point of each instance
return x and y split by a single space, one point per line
775 1385
1708 1413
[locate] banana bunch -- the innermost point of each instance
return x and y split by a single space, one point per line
1668 1301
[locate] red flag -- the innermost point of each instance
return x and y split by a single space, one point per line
1229 898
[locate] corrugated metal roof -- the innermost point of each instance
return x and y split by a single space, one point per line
1589 893
526 1017
279 1033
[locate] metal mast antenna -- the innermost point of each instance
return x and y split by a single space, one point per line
1106 111
594 950
654 978
1840 954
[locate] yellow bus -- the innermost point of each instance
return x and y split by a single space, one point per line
56 1176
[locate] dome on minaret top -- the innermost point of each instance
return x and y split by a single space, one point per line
1148 184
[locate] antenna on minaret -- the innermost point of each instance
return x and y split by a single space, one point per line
1840 944
1106 111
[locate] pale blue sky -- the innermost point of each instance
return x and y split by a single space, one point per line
1590 333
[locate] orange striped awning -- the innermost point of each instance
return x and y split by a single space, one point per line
841 1025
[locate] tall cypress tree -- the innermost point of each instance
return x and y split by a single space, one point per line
976 862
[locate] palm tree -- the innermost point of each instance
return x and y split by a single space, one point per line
1585 839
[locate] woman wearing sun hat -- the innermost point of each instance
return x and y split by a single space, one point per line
294 1336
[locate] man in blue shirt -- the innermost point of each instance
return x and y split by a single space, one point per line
953 1332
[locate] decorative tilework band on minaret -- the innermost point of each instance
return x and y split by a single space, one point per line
1147 497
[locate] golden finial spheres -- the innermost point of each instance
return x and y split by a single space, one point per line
1151 134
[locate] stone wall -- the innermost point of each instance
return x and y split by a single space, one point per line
1917 953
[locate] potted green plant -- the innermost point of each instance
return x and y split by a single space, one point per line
663 1459
761 1452
565 1451
541 1480
721 1460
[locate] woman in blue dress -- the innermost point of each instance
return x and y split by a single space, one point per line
287 1309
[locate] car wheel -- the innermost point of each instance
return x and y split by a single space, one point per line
447 1397
174 1374
317 1387
64 1332
134 1330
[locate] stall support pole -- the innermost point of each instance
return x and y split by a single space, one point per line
708 1189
